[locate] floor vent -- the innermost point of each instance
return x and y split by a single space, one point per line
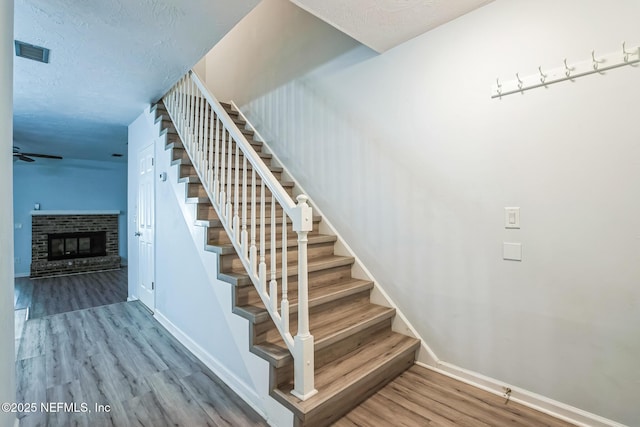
29 51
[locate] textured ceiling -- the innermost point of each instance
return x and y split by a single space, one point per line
383 24
108 61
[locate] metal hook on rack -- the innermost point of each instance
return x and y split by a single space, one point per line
625 53
567 69
520 82
499 86
596 62
543 76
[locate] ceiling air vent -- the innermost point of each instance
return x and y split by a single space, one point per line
29 51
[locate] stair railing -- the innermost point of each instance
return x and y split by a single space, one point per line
229 169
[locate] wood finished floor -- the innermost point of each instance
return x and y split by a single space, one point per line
83 344
119 355
54 295
420 397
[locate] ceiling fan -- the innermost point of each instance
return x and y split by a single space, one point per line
27 157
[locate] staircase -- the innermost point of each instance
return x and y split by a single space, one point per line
355 350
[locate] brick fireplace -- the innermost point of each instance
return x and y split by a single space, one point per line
70 231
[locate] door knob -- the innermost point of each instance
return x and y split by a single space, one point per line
138 233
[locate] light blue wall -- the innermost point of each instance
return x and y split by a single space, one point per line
65 185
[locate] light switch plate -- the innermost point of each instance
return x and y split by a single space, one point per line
512 251
511 217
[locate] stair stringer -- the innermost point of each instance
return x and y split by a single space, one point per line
400 324
256 394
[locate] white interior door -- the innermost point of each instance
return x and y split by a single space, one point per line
146 228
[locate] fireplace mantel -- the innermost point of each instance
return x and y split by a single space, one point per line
78 212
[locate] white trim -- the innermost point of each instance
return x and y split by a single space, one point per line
16 423
74 212
246 393
524 397
132 298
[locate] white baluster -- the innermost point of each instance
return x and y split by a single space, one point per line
252 248
200 132
223 200
236 198
184 111
229 168
211 150
243 236
187 91
205 132
284 305
179 107
262 268
195 153
191 115
216 176
273 284
185 108
175 107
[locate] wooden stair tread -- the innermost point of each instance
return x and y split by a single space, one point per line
317 295
174 141
193 179
197 189
233 167
227 248
185 160
163 116
217 223
338 379
328 329
183 151
241 278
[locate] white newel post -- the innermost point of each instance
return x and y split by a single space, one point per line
303 341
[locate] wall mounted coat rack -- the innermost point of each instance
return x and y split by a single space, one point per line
543 78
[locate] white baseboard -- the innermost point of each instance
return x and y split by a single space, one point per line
524 397
16 275
245 392
132 298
